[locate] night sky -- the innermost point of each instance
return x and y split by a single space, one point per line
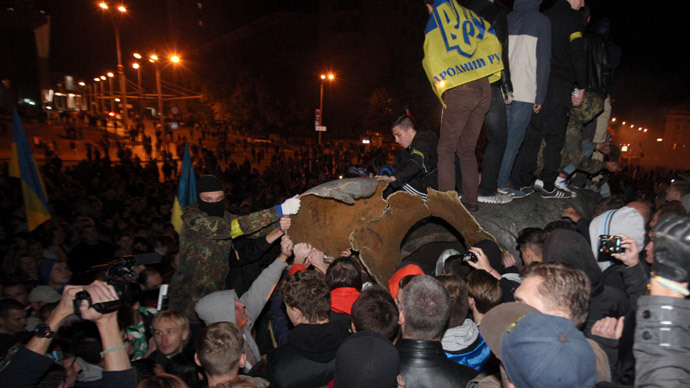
653 36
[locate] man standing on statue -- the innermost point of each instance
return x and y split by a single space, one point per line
206 242
460 63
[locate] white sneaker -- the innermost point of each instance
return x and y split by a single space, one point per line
496 198
563 185
539 185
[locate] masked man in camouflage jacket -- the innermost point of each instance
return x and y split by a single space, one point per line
206 242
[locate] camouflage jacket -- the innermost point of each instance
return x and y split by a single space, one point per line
205 245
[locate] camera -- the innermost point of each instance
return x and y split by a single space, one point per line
609 244
120 275
469 256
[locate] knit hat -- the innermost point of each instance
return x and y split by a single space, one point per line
45 268
208 183
493 253
626 220
43 294
402 271
366 359
539 350
566 246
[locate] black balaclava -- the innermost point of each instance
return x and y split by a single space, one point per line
209 183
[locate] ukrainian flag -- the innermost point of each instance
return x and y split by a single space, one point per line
23 166
459 47
186 190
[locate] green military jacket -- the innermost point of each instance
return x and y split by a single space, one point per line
205 245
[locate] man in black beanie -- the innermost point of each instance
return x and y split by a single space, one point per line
206 242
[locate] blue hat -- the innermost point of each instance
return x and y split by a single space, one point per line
539 350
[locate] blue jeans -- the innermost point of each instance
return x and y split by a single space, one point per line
518 115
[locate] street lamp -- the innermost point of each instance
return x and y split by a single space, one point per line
120 69
111 94
96 81
323 78
156 64
137 67
102 78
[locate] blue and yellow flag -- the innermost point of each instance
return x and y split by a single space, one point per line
23 166
186 190
459 47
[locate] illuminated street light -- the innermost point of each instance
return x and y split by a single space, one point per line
659 139
623 123
639 129
110 74
103 77
632 125
645 130
175 59
82 83
135 65
120 68
97 79
613 120
323 78
137 55
153 58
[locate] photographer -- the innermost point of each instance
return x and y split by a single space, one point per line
26 367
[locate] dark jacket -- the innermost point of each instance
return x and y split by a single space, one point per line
662 342
567 47
308 357
598 64
497 17
25 368
416 165
423 364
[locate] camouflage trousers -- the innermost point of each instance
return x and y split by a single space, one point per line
590 108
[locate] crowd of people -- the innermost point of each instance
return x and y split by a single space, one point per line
267 311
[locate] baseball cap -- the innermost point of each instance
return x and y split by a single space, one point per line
539 350
44 294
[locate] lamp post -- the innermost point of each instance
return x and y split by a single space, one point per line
137 67
156 64
84 95
111 94
120 69
330 77
102 78
154 59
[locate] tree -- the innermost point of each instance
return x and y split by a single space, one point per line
379 111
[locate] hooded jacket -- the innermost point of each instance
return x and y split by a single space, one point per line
308 358
220 306
566 246
464 345
529 41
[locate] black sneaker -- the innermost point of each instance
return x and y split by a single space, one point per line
556 193
527 190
